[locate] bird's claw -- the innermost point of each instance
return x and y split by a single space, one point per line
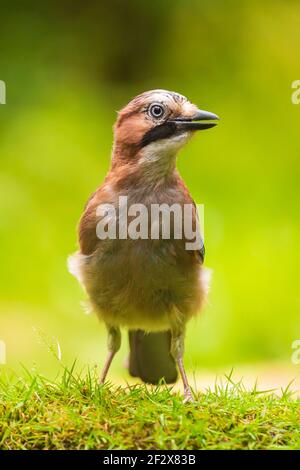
188 397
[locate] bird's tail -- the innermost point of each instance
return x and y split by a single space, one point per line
150 357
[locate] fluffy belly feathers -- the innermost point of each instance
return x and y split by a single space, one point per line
141 283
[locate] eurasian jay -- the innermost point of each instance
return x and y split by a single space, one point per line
150 286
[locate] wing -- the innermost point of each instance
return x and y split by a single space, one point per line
201 251
88 240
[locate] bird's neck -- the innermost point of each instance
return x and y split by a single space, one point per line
149 166
156 166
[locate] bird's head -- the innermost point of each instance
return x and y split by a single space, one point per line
155 125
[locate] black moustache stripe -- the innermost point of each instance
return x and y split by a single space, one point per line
162 131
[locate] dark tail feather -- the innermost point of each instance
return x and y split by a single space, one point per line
150 357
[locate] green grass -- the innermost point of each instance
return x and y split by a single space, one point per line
74 412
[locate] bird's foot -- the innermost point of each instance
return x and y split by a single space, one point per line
188 397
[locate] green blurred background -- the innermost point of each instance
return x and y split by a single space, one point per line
68 66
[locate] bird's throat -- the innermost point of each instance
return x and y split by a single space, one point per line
154 167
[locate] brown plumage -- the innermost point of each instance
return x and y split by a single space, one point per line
147 284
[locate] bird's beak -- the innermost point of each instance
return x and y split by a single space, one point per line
195 123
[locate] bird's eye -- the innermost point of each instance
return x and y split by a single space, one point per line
156 111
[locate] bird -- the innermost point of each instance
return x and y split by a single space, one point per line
151 287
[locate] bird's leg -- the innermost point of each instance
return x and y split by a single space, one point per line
177 350
113 346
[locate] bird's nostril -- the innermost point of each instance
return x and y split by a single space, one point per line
182 119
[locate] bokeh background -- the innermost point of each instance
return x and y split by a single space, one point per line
68 66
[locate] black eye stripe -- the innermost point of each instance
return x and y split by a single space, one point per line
163 131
